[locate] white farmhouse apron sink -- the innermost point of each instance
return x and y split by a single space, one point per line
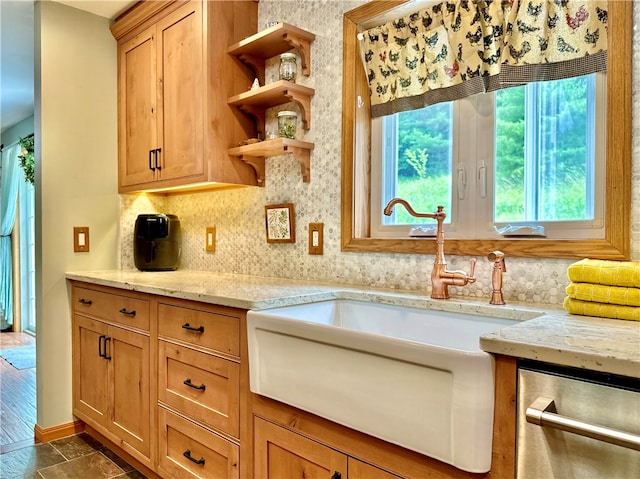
413 377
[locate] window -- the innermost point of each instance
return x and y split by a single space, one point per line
518 161
358 234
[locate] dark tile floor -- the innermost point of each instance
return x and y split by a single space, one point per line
73 457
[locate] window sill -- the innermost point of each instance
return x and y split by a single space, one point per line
540 248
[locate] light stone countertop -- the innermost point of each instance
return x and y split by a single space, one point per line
541 333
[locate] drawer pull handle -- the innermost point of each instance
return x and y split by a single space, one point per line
88 302
188 382
128 313
336 475
188 327
187 454
542 412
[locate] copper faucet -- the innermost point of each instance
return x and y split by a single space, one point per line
499 267
441 278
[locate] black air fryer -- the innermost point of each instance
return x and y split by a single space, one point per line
157 242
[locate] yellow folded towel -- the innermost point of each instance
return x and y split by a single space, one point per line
613 273
587 308
600 293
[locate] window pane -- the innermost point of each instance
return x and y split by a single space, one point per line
545 151
421 173
509 161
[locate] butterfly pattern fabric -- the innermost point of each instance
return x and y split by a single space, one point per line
458 48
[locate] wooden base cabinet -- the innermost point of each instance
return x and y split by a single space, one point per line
167 381
199 395
111 381
161 378
283 454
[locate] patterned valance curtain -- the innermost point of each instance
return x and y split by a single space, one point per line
459 48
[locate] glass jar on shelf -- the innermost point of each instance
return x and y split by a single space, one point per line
287 124
288 67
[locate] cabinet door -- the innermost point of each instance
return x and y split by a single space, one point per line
90 389
362 470
137 111
129 359
181 116
283 454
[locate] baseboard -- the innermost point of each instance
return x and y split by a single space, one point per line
56 432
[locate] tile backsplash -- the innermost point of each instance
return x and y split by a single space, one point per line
238 214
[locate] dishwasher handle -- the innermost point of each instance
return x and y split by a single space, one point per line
542 412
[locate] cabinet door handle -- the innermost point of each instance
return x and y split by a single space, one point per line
88 302
336 475
188 382
151 163
188 327
158 165
100 339
128 313
106 339
187 454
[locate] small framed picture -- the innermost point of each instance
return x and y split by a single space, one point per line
280 223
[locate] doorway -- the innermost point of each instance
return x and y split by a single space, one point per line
17 339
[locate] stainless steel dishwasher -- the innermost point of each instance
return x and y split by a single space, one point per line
576 424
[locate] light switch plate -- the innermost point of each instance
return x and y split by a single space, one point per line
316 238
210 239
80 239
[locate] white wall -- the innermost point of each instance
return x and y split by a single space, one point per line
76 180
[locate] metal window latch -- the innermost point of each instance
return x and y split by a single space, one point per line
482 179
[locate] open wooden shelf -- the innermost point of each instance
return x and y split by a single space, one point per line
256 100
254 50
256 153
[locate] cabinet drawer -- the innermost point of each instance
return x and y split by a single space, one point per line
118 308
203 387
190 451
202 328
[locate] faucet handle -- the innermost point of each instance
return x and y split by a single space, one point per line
472 270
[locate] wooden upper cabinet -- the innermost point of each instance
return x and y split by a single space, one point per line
174 77
181 88
137 109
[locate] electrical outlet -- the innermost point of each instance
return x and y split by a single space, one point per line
316 238
80 239
210 240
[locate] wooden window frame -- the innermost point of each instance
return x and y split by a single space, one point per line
356 156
